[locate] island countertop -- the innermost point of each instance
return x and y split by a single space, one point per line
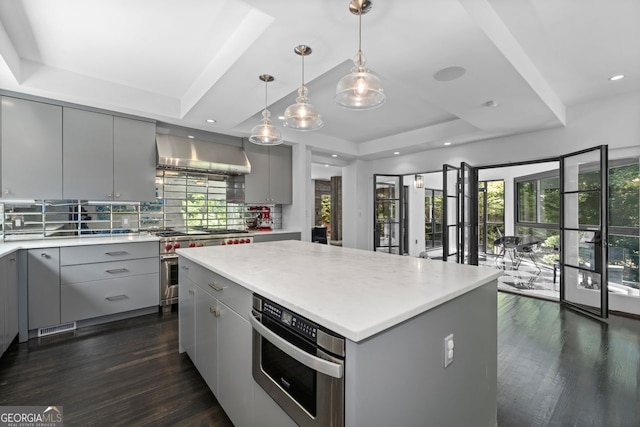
353 292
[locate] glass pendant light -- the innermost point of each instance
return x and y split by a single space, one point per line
265 133
360 89
302 115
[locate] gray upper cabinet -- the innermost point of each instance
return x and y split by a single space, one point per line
107 157
270 180
134 166
31 150
87 155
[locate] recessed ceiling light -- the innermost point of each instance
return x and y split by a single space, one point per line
447 143
395 153
190 136
326 166
616 77
491 104
334 155
211 121
280 117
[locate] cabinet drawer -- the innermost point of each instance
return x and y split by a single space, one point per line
108 270
103 253
224 290
102 297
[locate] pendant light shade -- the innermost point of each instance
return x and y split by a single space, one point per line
265 133
361 89
302 115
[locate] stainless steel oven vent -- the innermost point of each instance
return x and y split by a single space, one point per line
175 152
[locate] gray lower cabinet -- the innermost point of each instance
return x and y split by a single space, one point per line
31 149
108 279
216 334
8 301
43 287
270 180
187 316
207 313
76 283
235 381
107 157
274 237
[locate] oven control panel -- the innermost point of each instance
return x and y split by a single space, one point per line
292 321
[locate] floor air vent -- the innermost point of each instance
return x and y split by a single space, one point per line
43 332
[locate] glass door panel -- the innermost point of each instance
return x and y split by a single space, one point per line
451 208
468 218
583 230
388 214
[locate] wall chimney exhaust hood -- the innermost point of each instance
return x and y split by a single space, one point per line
175 152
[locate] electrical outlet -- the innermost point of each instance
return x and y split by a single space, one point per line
448 350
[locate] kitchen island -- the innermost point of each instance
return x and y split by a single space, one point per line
394 312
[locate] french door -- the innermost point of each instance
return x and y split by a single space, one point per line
388 221
450 212
468 215
583 230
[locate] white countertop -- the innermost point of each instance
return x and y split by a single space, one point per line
353 292
12 246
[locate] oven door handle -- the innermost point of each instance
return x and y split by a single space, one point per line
326 367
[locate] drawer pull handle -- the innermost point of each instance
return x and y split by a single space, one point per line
45 255
216 287
184 267
116 253
191 292
116 297
215 311
117 270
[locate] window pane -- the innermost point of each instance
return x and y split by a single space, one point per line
527 195
550 200
624 195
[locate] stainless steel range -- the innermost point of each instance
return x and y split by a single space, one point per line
170 240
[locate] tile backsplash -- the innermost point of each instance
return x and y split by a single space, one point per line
184 201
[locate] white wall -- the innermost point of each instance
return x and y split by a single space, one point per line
324 172
357 205
299 215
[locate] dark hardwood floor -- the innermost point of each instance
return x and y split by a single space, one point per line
125 373
555 368
560 368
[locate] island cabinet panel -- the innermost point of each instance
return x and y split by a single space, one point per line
43 277
187 316
216 325
31 149
235 381
267 411
87 155
403 368
207 313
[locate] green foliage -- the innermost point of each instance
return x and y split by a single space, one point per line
325 208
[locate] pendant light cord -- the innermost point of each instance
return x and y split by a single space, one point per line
360 32
265 95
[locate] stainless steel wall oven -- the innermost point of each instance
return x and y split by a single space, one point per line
299 364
